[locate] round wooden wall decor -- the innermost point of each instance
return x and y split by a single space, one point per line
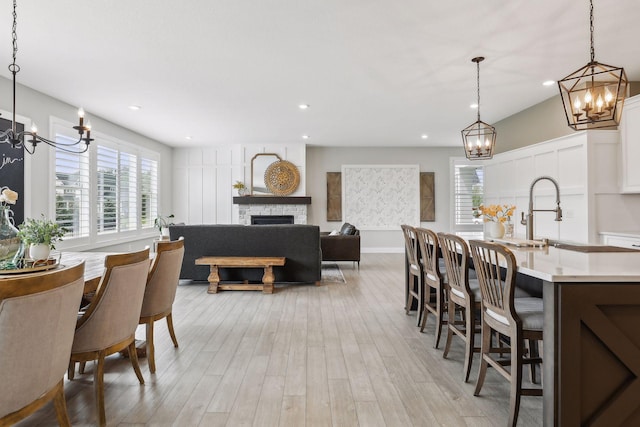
282 178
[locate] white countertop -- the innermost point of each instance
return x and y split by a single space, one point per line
563 265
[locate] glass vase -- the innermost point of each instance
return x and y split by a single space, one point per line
9 242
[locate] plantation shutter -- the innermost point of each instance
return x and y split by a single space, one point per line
107 182
468 192
72 190
148 191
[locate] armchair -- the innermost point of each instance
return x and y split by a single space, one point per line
344 246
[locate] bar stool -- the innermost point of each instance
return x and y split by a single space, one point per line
464 296
415 287
435 284
519 319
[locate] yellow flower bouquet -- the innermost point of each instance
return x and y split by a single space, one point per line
497 213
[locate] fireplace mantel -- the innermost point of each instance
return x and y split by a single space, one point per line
272 200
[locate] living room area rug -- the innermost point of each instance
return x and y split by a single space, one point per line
331 273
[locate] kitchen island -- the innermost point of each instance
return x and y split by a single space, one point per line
591 344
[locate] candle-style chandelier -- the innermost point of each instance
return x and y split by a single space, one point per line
594 95
479 138
17 139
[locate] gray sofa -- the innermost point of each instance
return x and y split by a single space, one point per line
300 244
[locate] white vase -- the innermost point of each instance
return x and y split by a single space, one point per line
39 251
495 229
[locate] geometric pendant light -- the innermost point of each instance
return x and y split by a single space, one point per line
479 138
594 95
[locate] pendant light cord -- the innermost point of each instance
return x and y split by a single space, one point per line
14 68
478 82
593 50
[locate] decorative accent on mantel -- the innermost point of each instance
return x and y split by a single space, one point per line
272 200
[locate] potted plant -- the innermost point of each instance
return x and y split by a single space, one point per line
242 189
41 236
162 223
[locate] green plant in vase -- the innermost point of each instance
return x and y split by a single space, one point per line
162 223
41 236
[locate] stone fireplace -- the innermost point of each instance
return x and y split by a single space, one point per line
249 206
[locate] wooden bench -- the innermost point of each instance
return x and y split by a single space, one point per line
215 262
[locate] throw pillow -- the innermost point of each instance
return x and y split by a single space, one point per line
349 230
334 233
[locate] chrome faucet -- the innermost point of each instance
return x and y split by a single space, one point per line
528 221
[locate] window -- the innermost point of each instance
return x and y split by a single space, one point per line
72 191
148 192
112 188
468 193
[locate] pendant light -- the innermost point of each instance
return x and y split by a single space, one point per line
594 95
479 138
16 139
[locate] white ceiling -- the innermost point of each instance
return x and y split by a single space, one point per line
375 72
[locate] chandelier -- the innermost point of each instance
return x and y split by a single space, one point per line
479 138
17 139
594 95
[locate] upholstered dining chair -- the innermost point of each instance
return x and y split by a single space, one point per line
464 296
37 318
435 284
414 287
109 323
519 319
160 292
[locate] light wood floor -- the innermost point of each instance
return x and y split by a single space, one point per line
338 354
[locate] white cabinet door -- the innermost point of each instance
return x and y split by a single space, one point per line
630 139
623 242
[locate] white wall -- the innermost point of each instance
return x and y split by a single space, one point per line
321 160
40 108
203 179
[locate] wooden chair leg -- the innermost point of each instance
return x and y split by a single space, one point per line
470 325
60 405
98 384
81 367
517 350
71 371
451 313
420 300
151 351
532 350
440 316
423 322
172 333
133 356
484 352
409 301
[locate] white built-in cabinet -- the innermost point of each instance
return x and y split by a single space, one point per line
585 166
630 142
621 239
203 179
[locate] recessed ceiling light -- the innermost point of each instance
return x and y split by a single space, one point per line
188 137
424 136
474 105
305 136
134 107
549 83
303 106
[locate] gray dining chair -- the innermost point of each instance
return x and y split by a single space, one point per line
160 292
37 320
109 323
